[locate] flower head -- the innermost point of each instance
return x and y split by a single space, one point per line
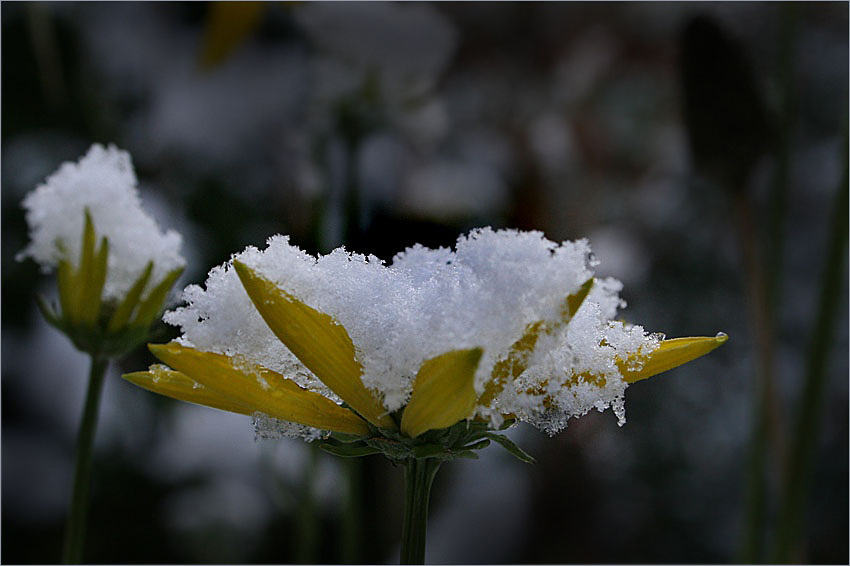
114 266
507 326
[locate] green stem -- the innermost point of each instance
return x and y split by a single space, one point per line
418 478
76 528
786 121
767 446
352 512
307 529
788 544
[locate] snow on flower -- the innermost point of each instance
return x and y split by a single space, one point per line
103 183
508 325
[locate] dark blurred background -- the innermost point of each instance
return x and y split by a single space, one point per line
701 147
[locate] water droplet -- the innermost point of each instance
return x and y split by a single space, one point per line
721 336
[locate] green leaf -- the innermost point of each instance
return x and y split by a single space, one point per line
349 450
484 443
47 312
509 445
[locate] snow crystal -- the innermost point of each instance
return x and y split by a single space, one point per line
270 428
426 302
102 181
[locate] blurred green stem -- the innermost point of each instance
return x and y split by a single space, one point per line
766 445
419 475
351 515
790 532
765 279
787 112
76 528
47 54
307 525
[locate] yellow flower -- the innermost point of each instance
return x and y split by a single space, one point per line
445 416
104 327
114 279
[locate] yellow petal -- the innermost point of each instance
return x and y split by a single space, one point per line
152 305
315 338
670 354
176 385
131 299
94 278
443 392
575 300
69 290
228 25
512 365
259 388
92 273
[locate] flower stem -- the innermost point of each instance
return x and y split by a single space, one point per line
76 528
352 514
306 533
418 477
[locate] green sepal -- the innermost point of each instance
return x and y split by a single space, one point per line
509 445
483 443
468 454
125 309
48 313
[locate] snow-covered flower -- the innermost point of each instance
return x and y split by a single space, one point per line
425 357
114 266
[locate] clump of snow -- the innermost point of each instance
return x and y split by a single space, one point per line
104 183
426 302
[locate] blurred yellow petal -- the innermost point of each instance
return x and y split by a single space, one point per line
176 385
670 354
153 304
443 392
128 304
315 338
69 289
228 25
259 388
93 280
